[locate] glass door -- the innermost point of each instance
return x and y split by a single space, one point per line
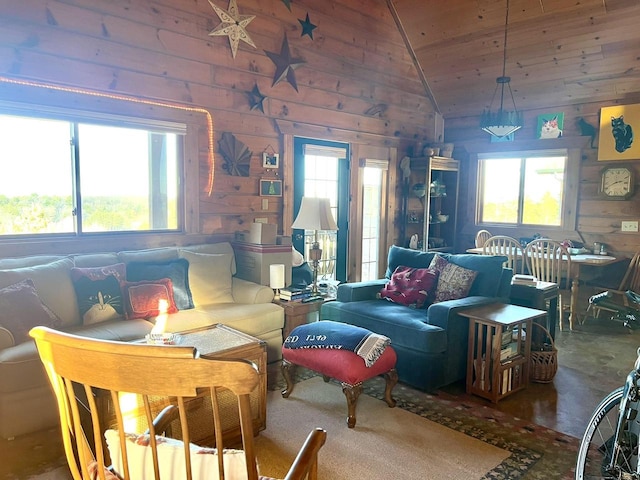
321 169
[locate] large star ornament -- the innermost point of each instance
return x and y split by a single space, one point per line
233 25
285 65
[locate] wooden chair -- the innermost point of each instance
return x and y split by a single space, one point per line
504 245
630 281
549 261
481 237
81 370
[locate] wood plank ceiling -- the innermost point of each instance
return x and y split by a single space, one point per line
559 52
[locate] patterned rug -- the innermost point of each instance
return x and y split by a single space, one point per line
537 452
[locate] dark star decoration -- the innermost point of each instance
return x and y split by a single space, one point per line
287 3
285 65
307 27
256 99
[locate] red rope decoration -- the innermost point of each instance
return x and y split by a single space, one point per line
127 98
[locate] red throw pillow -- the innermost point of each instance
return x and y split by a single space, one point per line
411 286
148 298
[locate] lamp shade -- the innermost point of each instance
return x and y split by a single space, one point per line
315 214
276 275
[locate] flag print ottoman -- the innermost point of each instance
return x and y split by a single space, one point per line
349 354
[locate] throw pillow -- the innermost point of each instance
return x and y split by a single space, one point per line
454 282
410 286
171 461
176 270
98 292
21 309
209 277
148 298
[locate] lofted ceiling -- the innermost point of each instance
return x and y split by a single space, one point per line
559 52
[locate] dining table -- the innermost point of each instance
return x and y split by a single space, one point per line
577 262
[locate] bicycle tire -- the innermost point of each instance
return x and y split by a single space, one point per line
595 447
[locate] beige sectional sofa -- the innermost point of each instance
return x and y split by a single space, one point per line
26 402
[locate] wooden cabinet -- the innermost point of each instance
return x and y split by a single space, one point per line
431 202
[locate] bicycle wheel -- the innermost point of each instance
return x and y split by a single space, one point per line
596 447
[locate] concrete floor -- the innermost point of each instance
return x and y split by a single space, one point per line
593 359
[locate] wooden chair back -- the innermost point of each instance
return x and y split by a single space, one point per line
505 245
481 237
631 279
84 371
549 261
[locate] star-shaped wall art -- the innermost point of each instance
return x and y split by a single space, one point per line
285 65
287 3
232 25
256 99
307 27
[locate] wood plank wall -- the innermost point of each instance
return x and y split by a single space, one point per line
598 220
161 49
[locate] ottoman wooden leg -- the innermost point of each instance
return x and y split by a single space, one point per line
287 369
391 378
352 392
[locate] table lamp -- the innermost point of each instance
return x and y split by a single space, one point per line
315 214
276 278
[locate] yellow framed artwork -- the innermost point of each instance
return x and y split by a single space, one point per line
618 127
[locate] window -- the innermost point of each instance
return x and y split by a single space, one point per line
524 188
63 175
374 174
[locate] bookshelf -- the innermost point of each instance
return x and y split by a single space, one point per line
499 349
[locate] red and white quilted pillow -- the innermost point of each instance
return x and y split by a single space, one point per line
414 287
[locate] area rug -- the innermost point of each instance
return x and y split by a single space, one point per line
385 443
535 452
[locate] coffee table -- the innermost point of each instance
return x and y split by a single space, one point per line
213 342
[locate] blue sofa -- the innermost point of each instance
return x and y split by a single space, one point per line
431 344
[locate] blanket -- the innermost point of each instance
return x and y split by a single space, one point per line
328 334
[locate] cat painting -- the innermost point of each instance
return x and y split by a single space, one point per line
622 133
550 128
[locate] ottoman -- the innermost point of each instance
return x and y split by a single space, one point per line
342 364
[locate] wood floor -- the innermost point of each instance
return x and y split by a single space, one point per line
593 360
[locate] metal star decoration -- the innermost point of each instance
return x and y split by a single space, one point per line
233 25
287 3
307 27
285 65
256 99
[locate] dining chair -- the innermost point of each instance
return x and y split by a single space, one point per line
83 370
505 245
549 261
481 237
630 281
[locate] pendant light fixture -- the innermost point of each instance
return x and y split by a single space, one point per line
502 123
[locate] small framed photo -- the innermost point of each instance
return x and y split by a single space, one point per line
270 160
270 187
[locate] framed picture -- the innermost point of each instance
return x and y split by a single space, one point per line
270 187
270 160
550 125
617 128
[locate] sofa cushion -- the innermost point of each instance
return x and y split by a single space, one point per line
489 268
216 248
404 326
407 257
148 255
412 287
176 270
98 292
209 277
148 298
54 286
21 309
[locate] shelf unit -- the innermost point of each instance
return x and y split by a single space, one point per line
499 349
423 214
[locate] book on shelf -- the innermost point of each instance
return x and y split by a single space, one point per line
511 350
521 279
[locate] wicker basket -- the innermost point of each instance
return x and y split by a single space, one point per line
543 364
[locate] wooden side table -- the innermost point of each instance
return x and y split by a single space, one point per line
499 349
295 313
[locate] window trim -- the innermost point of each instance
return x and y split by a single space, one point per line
571 184
137 116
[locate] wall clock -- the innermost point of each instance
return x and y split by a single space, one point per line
617 183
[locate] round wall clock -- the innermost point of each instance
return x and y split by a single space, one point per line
617 182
